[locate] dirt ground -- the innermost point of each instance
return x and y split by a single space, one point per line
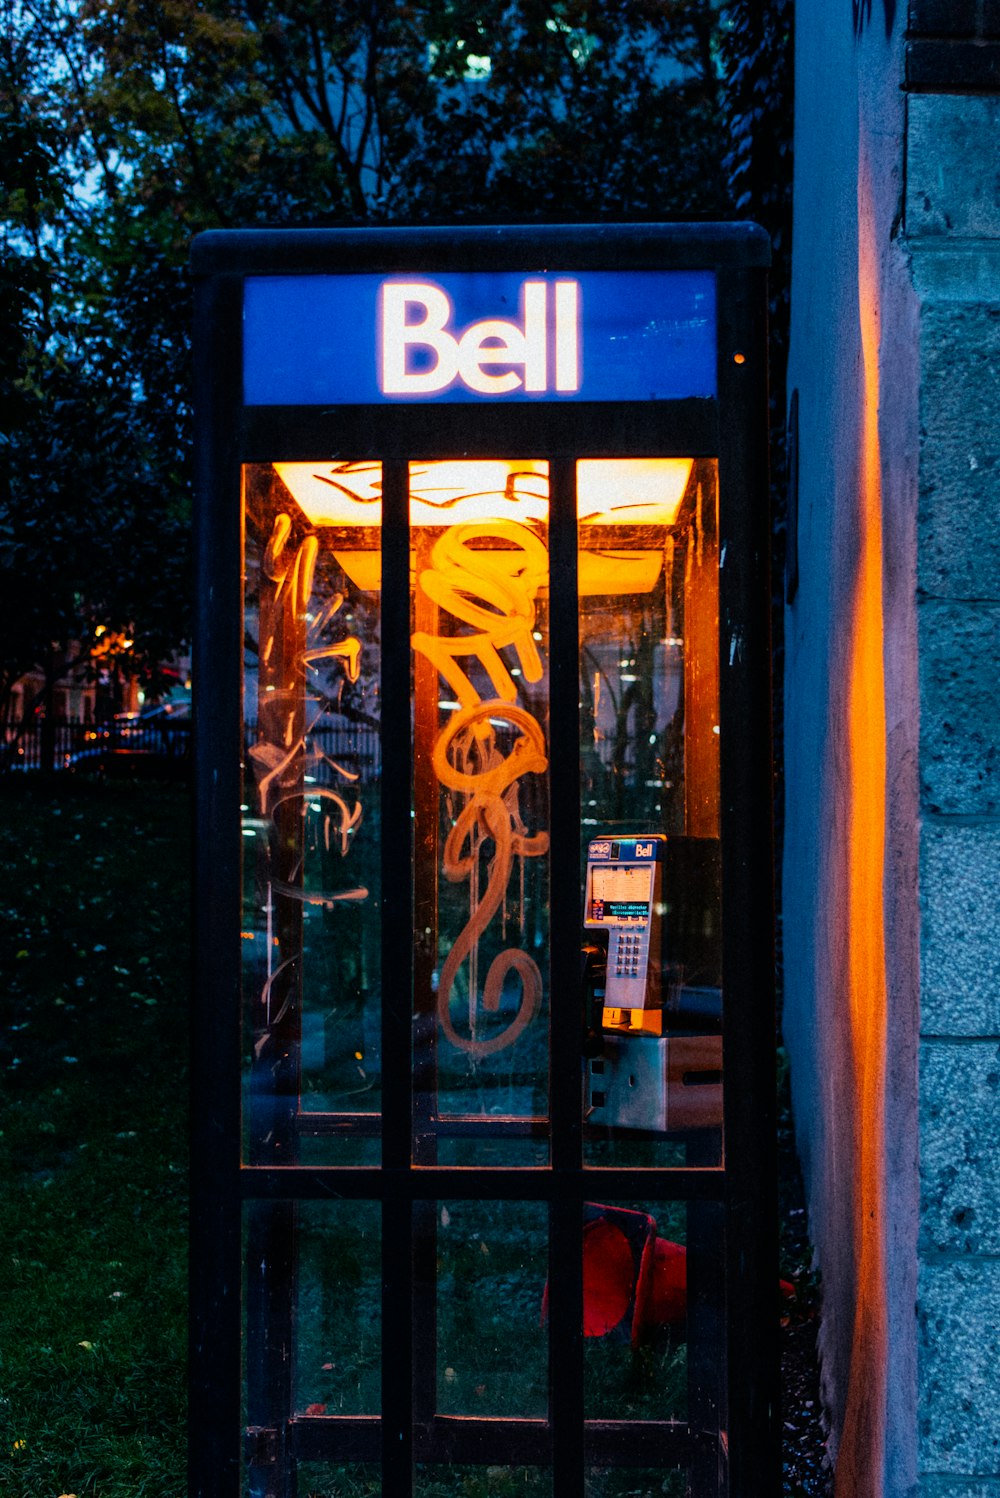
806 1470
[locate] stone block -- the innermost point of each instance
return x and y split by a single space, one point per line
958 538
958 1329
959 646
959 953
952 181
955 270
947 17
959 1161
934 1486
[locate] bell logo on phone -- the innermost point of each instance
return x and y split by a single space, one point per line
421 353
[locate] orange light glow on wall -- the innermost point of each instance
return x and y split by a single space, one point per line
862 1442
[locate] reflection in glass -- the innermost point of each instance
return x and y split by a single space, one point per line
311 1296
335 1480
338 1310
480 693
491 1345
635 1312
650 851
635 1482
310 804
434 1480
654 1324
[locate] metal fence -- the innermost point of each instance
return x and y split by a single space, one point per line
126 746
137 746
329 747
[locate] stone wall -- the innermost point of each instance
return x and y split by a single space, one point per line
953 230
892 855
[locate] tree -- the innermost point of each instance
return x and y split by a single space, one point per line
136 123
93 530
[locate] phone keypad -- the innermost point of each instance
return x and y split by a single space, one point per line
629 954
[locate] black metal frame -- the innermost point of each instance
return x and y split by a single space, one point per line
732 428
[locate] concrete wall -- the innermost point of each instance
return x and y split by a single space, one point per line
852 722
892 856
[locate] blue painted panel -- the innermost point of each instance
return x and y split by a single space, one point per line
322 340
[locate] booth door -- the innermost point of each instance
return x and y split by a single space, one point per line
476 696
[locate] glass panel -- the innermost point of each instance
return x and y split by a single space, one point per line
480 688
650 851
326 1480
635 1312
654 1324
338 1309
634 1482
492 1357
482 1151
311 1296
437 1481
311 810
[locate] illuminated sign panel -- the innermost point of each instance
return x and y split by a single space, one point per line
470 336
420 355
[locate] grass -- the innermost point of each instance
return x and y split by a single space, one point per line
93 1154
93 1139
320 1481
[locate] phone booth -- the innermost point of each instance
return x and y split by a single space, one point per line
484 1193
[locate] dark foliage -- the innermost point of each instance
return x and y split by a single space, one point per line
129 125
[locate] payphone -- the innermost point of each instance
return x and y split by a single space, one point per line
483 658
624 898
654 1031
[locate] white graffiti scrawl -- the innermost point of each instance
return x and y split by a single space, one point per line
292 570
